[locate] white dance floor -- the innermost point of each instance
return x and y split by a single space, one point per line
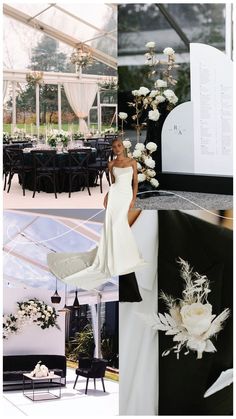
15 199
72 402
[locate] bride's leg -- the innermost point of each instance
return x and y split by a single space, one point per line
133 214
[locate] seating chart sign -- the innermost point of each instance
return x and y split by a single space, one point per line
212 97
197 136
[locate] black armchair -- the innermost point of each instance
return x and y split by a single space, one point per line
91 368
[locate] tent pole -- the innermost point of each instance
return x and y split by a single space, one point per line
37 108
13 105
59 105
99 111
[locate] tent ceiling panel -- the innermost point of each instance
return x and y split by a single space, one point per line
71 27
28 238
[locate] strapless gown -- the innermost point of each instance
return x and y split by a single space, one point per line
117 252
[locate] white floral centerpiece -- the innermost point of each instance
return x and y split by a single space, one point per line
190 319
31 311
40 370
56 137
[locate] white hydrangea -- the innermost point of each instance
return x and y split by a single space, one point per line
168 51
160 99
151 146
149 162
154 93
154 182
123 115
150 44
143 91
140 146
160 83
137 154
150 172
154 115
141 177
127 144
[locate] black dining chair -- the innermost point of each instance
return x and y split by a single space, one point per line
110 137
91 368
78 168
14 164
44 164
101 165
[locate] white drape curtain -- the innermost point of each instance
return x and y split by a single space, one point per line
81 97
5 88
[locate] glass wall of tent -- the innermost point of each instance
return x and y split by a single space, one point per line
41 47
169 25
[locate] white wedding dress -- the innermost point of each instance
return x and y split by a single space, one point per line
138 343
117 252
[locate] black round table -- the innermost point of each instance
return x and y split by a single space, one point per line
62 160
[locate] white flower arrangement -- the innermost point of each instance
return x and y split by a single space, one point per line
154 115
31 311
127 143
160 83
40 370
190 320
56 136
145 163
151 146
123 115
150 44
168 51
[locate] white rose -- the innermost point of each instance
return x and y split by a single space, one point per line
151 172
50 309
135 92
196 318
137 154
140 146
139 166
143 91
170 95
151 146
153 93
160 83
149 162
154 115
150 44
168 51
127 143
160 99
154 182
123 115
141 177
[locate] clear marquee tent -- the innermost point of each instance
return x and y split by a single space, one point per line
93 25
29 236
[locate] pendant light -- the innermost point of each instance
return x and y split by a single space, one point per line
55 298
75 306
65 309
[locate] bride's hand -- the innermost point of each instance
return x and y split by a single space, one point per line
132 203
105 201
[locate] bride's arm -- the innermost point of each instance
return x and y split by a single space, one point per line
110 164
135 183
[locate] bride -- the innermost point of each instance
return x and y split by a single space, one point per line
117 252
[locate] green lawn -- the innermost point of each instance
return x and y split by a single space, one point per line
65 127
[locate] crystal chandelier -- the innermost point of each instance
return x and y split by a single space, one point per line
81 57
